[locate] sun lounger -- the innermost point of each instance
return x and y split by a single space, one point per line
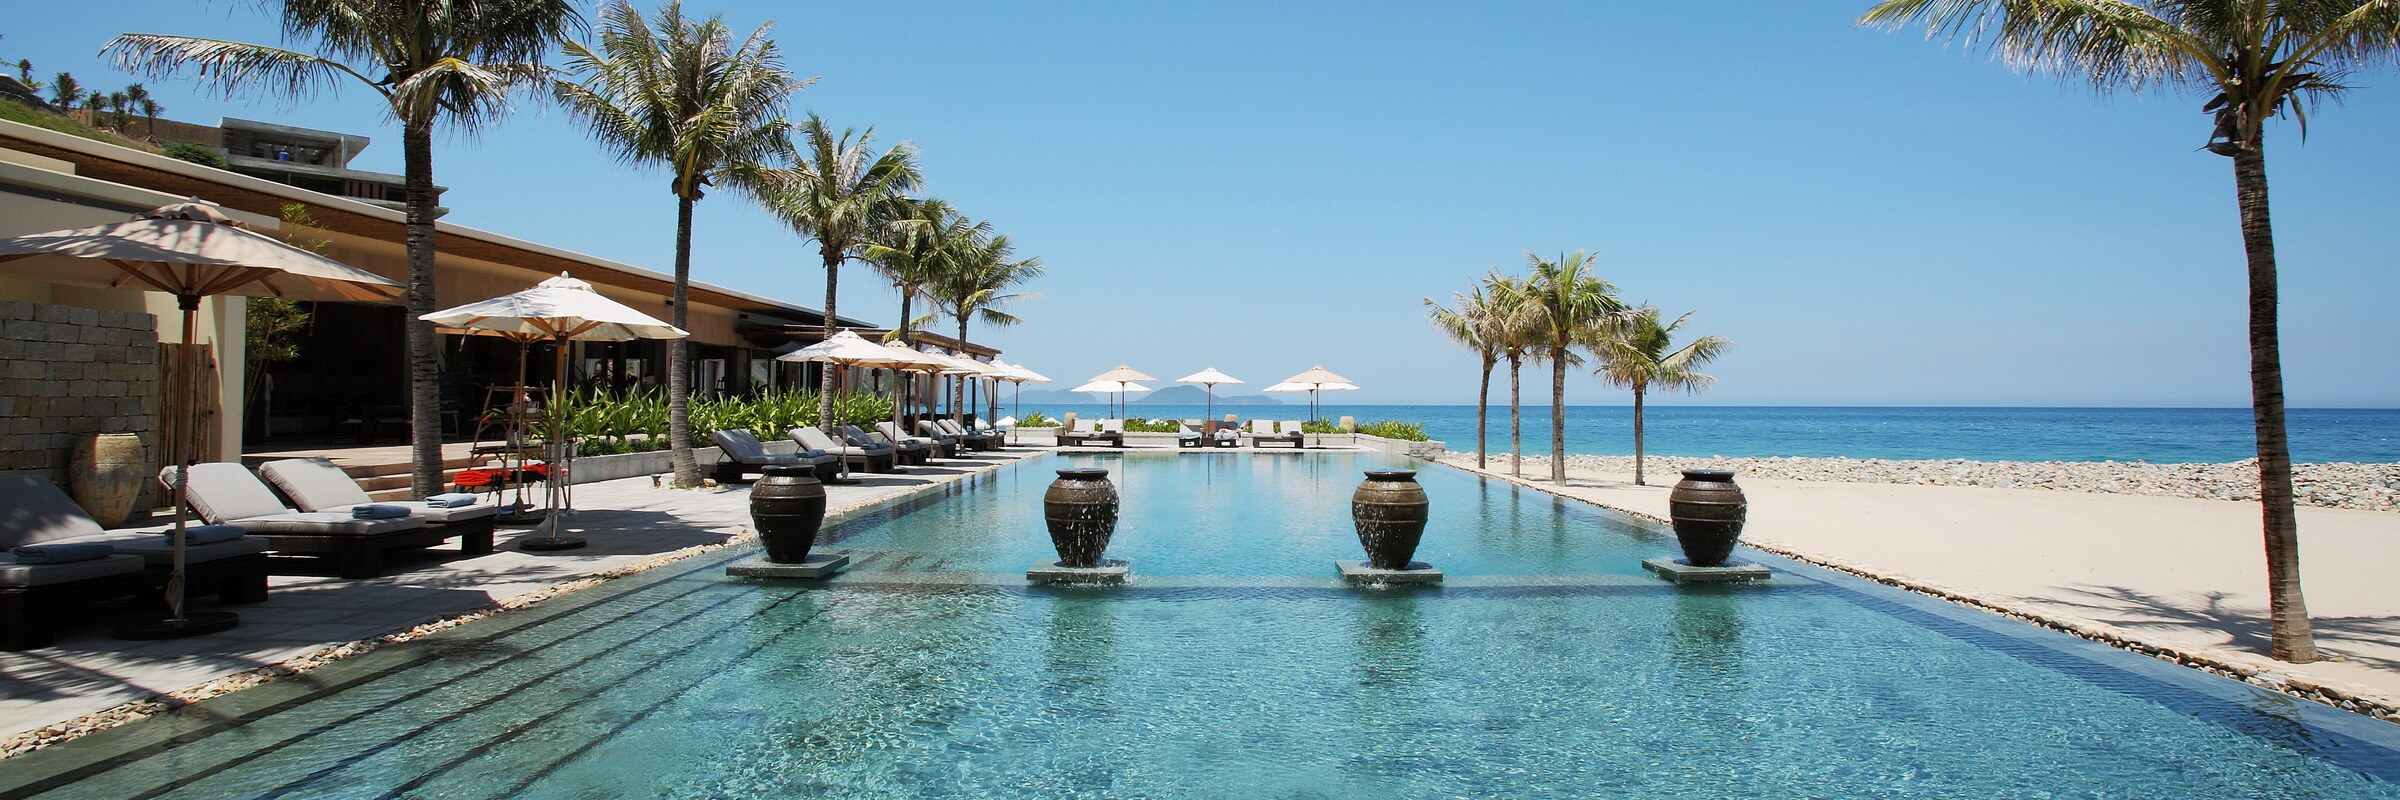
227 494
863 459
33 511
934 447
906 452
933 430
1226 435
1190 436
35 596
974 440
1263 433
745 454
1087 431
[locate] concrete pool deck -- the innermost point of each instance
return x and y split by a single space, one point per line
2182 575
629 523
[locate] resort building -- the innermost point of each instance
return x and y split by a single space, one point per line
349 382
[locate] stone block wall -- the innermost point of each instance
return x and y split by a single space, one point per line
66 372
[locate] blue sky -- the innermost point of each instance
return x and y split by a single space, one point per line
1874 219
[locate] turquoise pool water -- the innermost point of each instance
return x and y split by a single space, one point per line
1235 666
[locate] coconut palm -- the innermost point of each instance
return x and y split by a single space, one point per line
1566 305
912 250
2255 60
678 92
839 191
65 91
1635 354
448 62
974 286
137 98
1471 326
1514 338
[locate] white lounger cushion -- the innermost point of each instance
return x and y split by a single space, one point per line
814 439
1262 427
33 511
157 550
20 576
1290 426
228 494
317 485
892 432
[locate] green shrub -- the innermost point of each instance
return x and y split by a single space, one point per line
636 421
1319 426
1395 429
198 154
1139 425
1036 420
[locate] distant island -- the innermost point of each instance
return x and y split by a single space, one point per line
1172 395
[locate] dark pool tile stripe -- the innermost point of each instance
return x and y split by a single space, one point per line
569 757
441 723
364 670
2365 746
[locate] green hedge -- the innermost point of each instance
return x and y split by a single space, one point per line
634 422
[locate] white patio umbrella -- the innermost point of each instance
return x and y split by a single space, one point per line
1314 380
848 349
1021 377
1123 374
562 310
1210 378
190 250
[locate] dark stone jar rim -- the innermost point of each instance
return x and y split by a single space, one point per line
790 471
1391 474
1084 473
1716 475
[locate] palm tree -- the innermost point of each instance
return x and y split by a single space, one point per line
974 288
119 105
678 92
1470 325
451 62
1635 355
1515 340
65 91
838 192
1567 305
2254 59
137 98
927 239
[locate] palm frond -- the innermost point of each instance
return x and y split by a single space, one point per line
230 68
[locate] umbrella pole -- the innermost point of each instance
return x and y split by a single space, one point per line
551 488
177 624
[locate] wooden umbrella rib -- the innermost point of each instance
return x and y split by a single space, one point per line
135 271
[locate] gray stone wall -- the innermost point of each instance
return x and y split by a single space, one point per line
66 372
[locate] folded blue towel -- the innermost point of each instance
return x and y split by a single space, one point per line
811 453
62 552
195 535
377 512
451 500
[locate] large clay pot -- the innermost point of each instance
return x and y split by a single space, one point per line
1081 509
1708 511
787 507
105 475
1390 510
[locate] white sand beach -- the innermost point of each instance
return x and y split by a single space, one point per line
2178 573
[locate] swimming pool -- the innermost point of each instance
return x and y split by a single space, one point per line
1236 665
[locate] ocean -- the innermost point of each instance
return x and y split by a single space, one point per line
2156 435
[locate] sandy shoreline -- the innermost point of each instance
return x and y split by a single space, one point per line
2179 577
2366 487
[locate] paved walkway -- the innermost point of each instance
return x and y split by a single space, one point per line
627 522
2184 574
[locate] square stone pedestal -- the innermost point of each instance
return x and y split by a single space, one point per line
1681 571
1109 571
1361 573
820 564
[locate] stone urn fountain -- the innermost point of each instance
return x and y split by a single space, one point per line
1390 510
1708 511
1081 510
787 507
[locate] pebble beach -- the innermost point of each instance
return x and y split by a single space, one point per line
2364 487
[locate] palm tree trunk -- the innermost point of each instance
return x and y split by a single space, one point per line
1483 407
832 254
424 345
958 414
2293 639
903 393
679 370
1558 414
1516 421
1637 435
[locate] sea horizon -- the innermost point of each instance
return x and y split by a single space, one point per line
1977 433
